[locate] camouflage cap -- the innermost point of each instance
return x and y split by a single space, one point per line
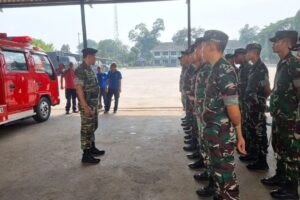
239 51
198 41
216 36
253 46
279 35
89 51
229 56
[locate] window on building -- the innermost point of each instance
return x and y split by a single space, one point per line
173 61
165 53
156 53
157 62
15 61
173 53
165 61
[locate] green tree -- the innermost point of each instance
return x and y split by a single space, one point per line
146 39
133 55
90 43
113 49
65 48
43 45
181 37
248 34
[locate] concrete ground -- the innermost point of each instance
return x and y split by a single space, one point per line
144 159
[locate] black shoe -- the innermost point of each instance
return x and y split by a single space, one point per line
191 141
289 191
88 158
105 112
189 132
260 164
96 152
187 128
276 180
187 137
197 165
247 158
194 155
190 148
201 176
207 191
67 112
217 197
184 118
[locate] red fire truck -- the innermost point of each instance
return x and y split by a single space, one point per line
28 82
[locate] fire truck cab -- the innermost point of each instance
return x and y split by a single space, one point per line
28 82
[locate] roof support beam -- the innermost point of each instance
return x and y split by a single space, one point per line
83 24
189 22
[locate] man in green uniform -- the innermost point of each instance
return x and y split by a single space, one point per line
183 63
231 59
88 92
256 94
243 73
221 111
285 110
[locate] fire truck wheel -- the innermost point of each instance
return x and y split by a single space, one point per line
43 110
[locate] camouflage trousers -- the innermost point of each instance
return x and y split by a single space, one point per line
221 140
203 146
287 148
183 100
188 110
257 128
245 132
88 127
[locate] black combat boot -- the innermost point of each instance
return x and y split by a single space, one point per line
187 137
191 147
88 158
201 176
199 164
208 190
187 128
277 180
288 191
95 151
259 164
183 119
194 155
191 141
250 157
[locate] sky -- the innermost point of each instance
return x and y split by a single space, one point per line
62 25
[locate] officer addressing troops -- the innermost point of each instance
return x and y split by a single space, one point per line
256 94
284 108
221 111
88 92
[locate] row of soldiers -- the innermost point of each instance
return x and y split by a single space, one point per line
225 106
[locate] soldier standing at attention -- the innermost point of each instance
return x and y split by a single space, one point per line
243 72
182 60
88 92
230 58
284 108
221 111
256 94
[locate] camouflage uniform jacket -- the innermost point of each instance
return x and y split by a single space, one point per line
85 76
187 78
243 72
258 77
183 70
221 91
285 96
201 82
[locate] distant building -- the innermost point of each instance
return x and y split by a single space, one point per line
166 54
232 45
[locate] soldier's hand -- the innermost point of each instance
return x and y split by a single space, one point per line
87 111
241 146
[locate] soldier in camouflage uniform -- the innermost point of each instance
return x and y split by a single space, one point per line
88 92
183 69
200 85
243 73
256 94
231 59
221 111
285 109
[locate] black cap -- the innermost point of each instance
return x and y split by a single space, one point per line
279 35
216 36
198 41
229 56
253 46
88 51
239 51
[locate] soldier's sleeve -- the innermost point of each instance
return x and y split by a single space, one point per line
295 67
79 77
228 85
